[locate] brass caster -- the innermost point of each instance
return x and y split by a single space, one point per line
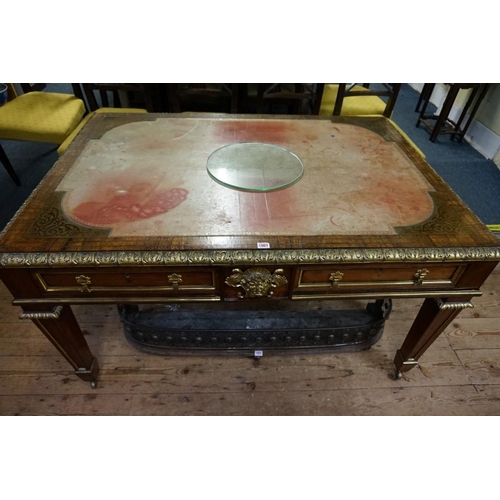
397 375
93 384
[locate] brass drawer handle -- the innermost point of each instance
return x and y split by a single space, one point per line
418 277
175 280
54 314
335 278
84 282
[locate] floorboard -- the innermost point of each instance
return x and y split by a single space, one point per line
458 375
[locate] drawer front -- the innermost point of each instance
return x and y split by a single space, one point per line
337 278
177 282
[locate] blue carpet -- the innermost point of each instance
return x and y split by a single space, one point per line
31 161
475 179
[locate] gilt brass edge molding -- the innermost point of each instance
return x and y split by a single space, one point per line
247 257
453 305
54 314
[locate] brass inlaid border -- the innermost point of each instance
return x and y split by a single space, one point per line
52 223
248 257
443 220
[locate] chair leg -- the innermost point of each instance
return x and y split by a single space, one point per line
337 109
396 87
426 97
445 111
473 112
320 88
8 166
426 92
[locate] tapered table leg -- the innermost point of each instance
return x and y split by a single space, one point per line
59 325
434 316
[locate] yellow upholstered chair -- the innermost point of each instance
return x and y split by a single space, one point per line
40 117
202 97
358 100
108 94
298 98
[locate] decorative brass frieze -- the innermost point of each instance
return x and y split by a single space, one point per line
420 275
335 278
453 305
175 280
53 224
256 282
444 220
84 282
248 257
54 314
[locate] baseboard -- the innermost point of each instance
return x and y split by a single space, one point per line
480 137
497 159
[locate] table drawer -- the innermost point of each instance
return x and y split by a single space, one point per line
374 277
175 282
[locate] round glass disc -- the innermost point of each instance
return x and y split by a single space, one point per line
254 166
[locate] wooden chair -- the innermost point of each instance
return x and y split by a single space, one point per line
293 98
358 100
361 100
207 97
116 96
442 123
425 95
110 98
38 116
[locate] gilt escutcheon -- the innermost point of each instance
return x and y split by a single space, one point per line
256 282
335 278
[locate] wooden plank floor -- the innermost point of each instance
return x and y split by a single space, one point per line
458 375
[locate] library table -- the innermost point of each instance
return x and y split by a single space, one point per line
131 216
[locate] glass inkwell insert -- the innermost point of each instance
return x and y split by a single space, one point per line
254 166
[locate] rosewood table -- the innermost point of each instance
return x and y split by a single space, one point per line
131 216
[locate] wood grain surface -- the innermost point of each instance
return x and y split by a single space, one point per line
453 224
460 374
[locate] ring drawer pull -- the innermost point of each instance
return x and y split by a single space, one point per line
335 278
418 277
175 280
54 314
84 282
